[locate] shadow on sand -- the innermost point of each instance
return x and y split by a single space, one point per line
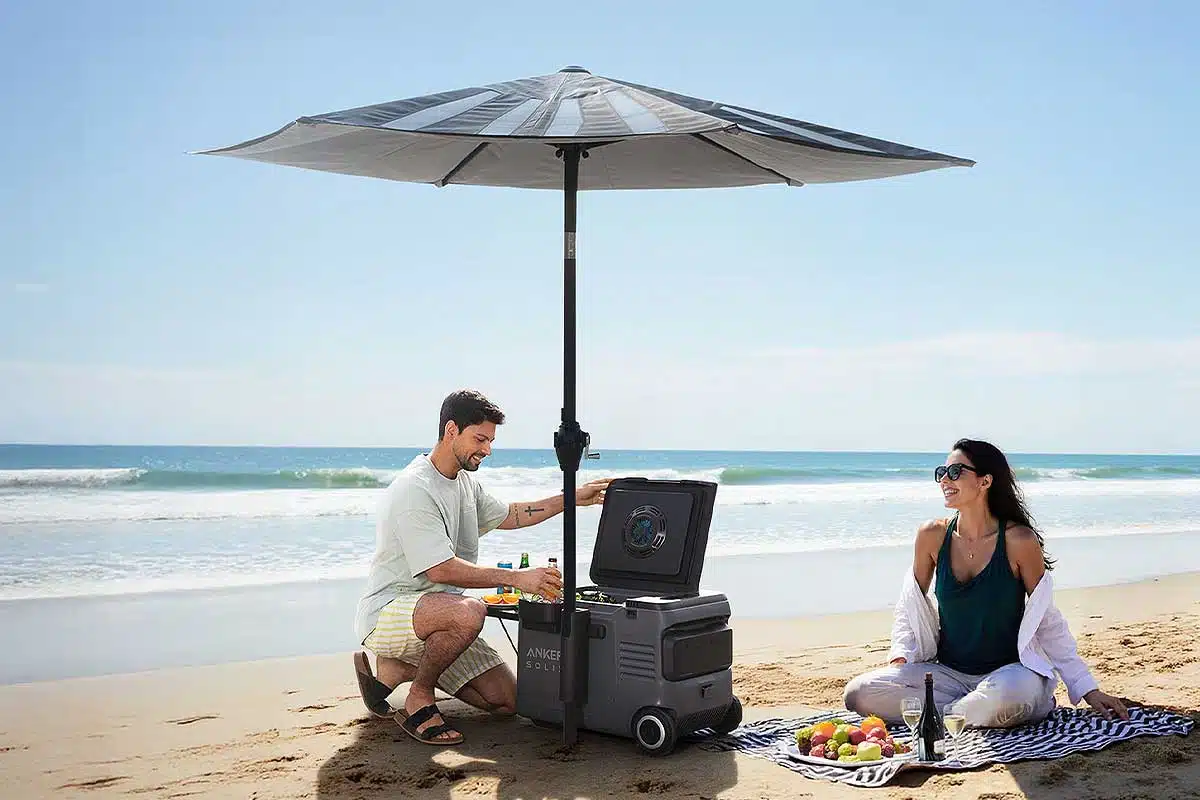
512 758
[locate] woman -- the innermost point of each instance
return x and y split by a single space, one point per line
991 635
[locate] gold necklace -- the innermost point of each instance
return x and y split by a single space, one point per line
969 544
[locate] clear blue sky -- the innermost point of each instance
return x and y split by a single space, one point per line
1045 298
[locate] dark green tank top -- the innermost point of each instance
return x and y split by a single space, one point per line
980 618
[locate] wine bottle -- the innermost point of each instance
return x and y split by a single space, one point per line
929 727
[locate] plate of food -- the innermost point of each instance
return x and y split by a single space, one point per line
837 743
505 599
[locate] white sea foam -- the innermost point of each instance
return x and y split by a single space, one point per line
67 478
217 570
100 505
105 586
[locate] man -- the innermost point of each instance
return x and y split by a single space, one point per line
414 615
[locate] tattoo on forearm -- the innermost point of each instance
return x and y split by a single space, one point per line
529 512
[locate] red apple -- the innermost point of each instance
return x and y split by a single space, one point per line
856 736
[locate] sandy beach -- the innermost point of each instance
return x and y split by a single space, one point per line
295 727
687 326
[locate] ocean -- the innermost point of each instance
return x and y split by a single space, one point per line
97 520
121 559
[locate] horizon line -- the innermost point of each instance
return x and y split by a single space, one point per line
550 449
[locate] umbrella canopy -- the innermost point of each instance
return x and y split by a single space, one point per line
572 130
502 134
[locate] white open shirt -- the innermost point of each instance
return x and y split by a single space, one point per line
1044 642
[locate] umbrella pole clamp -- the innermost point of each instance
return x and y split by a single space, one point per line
570 442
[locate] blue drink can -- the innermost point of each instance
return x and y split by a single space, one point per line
502 589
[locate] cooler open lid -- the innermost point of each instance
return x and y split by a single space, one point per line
652 535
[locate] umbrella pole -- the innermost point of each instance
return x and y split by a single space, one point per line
569 444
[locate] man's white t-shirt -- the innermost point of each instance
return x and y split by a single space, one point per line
424 519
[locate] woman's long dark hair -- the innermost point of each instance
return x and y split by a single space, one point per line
1004 497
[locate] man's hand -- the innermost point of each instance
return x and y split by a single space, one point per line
544 581
895 662
591 492
1105 705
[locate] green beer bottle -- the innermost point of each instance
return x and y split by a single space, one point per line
524 565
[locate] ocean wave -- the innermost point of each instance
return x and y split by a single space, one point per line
543 478
136 477
68 478
118 506
1108 473
759 476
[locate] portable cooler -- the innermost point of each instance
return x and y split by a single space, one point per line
655 664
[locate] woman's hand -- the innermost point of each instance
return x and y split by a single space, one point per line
1105 705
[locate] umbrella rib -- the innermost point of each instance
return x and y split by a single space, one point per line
741 157
457 167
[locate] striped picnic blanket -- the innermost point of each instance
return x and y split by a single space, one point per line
1065 731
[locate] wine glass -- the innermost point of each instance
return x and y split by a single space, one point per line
954 721
910 709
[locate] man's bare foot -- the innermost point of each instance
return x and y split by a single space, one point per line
422 726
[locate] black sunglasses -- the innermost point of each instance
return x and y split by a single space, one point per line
954 471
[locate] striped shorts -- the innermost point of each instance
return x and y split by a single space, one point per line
394 637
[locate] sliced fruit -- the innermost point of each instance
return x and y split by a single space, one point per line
872 722
826 729
869 751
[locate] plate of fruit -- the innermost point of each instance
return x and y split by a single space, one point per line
505 599
837 743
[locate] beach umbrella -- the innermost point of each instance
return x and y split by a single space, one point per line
571 131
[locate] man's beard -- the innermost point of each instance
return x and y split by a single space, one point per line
468 464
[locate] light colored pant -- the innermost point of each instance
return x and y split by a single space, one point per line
1012 695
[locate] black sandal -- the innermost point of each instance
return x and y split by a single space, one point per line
374 692
429 735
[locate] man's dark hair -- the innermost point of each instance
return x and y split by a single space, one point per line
468 407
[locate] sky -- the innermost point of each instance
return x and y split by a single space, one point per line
1044 298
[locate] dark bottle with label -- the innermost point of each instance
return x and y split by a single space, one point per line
524 565
929 727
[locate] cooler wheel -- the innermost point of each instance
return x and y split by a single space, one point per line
654 731
732 718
